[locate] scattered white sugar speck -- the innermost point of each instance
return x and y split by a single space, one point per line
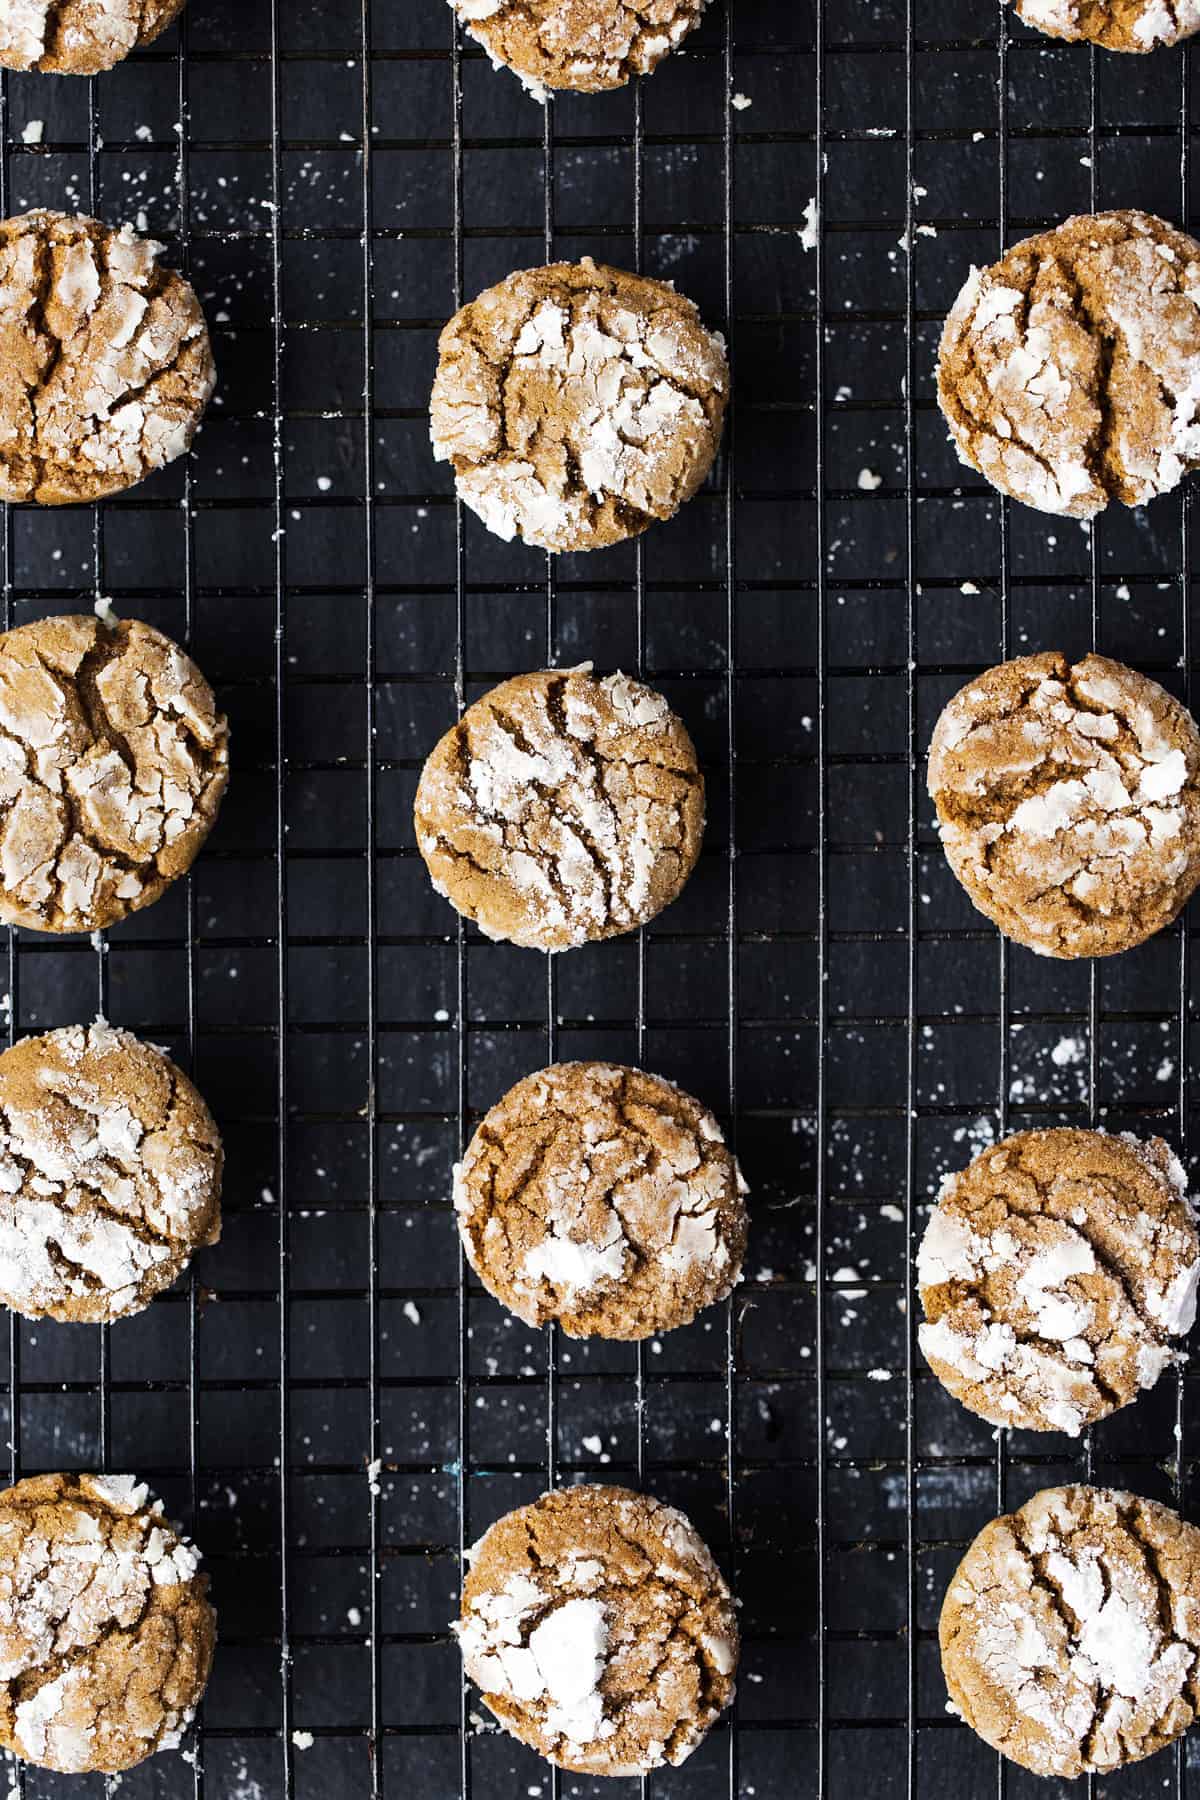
593 1445
967 587
353 1616
324 483
303 1740
374 1470
32 133
103 609
741 101
891 1211
411 1312
848 1274
879 1374
1165 1070
1067 1051
812 226
868 480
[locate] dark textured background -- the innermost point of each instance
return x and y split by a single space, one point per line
829 986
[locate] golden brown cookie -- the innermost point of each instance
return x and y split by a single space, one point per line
79 37
1132 25
599 1630
106 1632
1069 371
1070 1633
1068 798
588 45
105 365
562 808
113 761
1054 1272
603 1198
110 1174
578 404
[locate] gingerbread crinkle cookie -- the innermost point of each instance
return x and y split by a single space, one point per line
578 404
588 45
1129 25
105 364
599 1630
1069 371
106 1632
1070 1634
113 762
1068 799
562 808
603 1198
79 37
1055 1273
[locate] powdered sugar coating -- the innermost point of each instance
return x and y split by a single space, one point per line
105 365
79 37
1129 25
587 45
113 762
106 1635
1068 798
1054 1272
599 1630
577 404
562 808
1070 1632
603 1198
1069 371
110 1174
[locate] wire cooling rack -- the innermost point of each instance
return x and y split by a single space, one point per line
330 1405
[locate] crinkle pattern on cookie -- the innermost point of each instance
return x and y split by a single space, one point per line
1054 1273
79 37
599 1630
1070 1633
1068 802
578 404
1069 371
110 1174
105 365
106 1633
603 1198
113 761
1131 25
589 45
562 808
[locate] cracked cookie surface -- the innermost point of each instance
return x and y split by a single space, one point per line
599 1630
578 404
1070 1631
79 37
1054 1272
1130 25
106 1632
1069 371
110 1174
113 761
1068 798
603 1198
562 808
588 45
105 364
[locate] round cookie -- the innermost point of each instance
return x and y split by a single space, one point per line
113 761
578 404
587 45
105 365
1131 25
79 37
599 1630
110 1174
1070 1633
604 1199
106 1632
1068 802
1054 1272
1069 371
562 808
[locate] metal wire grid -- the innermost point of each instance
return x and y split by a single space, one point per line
839 972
